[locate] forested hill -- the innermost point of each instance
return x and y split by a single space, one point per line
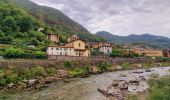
18 27
144 40
56 20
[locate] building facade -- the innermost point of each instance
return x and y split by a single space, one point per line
72 38
72 48
53 37
105 49
148 52
166 53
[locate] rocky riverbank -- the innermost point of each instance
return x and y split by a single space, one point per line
125 85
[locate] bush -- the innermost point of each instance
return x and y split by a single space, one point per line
37 71
104 66
68 65
51 71
126 65
39 54
2 79
81 72
159 88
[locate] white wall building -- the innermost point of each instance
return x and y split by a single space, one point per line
62 51
105 49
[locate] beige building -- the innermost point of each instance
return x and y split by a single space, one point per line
53 37
72 48
74 37
148 52
166 53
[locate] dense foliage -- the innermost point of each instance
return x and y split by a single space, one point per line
159 88
18 53
120 52
18 27
58 22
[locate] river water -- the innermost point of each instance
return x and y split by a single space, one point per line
78 88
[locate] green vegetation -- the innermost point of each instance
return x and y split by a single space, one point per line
18 53
56 21
79 72
159 88
127 65
104 66
14 75
118 51
68 65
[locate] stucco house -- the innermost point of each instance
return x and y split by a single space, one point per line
148 52
104 47
166 53
53 37
72 48
74 37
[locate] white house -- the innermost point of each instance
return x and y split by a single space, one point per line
60 50
106 49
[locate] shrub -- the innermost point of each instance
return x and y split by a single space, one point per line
51 71
37 71
104 66
159 88
2 79
82 72
68 65
126 65
25 74
39 54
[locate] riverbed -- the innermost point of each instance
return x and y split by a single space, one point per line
78 88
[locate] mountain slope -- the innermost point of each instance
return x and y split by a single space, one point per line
144 40
56 20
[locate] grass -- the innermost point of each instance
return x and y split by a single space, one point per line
159 88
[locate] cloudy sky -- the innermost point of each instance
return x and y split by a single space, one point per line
120 17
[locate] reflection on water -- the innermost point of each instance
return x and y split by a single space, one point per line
79 88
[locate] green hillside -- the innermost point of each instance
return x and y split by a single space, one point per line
56 21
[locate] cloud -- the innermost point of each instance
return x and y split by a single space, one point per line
121 17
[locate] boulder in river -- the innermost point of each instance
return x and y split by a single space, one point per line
115 83
62 73
94 70
123 85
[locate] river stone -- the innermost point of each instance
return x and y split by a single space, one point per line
103 90
138 65
62 73
94 70
115 83
123 85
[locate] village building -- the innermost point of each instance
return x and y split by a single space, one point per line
148 52
166 53
53 37
104 47
74 37
72 48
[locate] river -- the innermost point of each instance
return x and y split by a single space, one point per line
78 88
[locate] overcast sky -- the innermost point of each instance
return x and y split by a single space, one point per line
120 17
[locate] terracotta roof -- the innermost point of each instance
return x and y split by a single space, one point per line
80 49
76 40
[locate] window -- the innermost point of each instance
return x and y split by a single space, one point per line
57 48
51 48
79 45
